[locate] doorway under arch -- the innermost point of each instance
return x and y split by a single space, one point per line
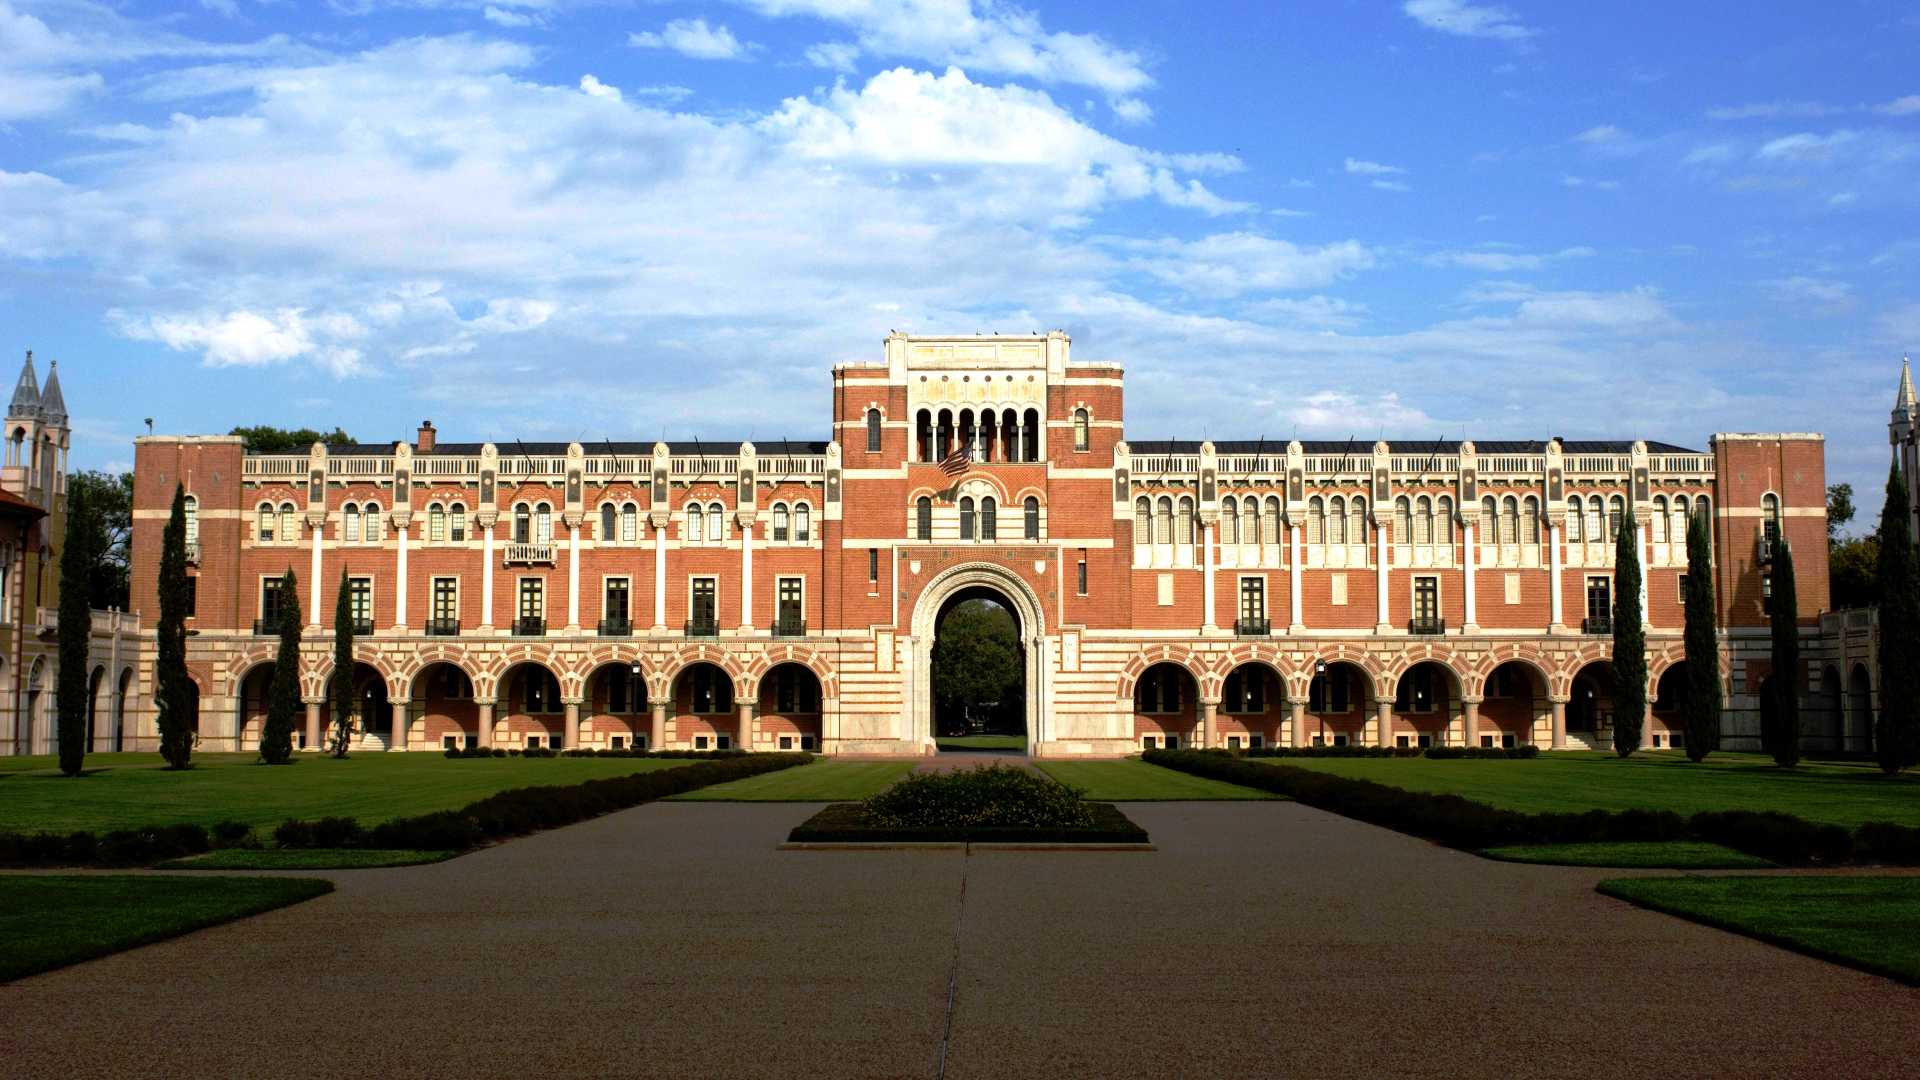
1000 586
978 665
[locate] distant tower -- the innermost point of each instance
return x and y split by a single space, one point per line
37 440
1901 433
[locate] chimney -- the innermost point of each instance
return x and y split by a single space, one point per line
423 442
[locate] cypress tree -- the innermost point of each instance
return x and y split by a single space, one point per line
1782 736
1897 732
340 683
1703 643
76 627
283 701
175 696
1629 642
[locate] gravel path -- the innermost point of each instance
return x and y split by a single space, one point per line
673 940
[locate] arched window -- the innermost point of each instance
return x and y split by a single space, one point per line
1357 520
1679 521
873 431
780 524
716 522
1081 436
608 524
1273 519
1659 522
1337 521
190 512
1616 515
629 523
1163 521
1770 518
923 517
1423 521
1596 519
1031 513
263 525
989 518
1316 520
1186 520
966 518
457 523
372 526
1158 691
350 523
696 523
543 524
923 435
1443 521
1031 451
1574 510
1703 508
1229 520
289 525
1402 520
803 523
522 524
1142 521
1530 520
1509 520
436 523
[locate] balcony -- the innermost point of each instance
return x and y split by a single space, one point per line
705 627
529 627
616 628
1763 548
529 554
789 626
1595 626
443 627
266 627
1252 627
193 553
1431 624
362 627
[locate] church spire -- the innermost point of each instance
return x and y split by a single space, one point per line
53 407
1904 399
26 392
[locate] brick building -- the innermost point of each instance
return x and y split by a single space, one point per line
787 594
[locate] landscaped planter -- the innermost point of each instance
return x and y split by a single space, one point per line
846 823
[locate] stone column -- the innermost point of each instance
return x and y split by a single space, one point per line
1466 563
400 724
485 721
1206 591
1470 721
1384 709
573 577
486 582
1209 712
572 737
746 576
657 731
1380 577
313 724
1559 722
1559 617
1297 734
400 574
313 579
744 740
1295 623
1646 560
660 576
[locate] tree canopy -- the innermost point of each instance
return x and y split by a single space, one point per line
267 439
976 657
100 504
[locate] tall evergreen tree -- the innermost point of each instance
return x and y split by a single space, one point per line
283 700
1782 734
76 627
175 696
340 684
1703 643
1629 642
1897 734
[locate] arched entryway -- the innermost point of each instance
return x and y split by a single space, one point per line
96 682
705 716
1668 729
1827 728
1590 708
441 710
1166 707
980 581
789 707
615 715
1514 709
1425 698
120 695
29 728
1340 700
250 706
1253 706
372 713
530 714
979 667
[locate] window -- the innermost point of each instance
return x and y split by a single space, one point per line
1426 603
289 530
629 523
539 690
1530 520
1682 589
1337 521
795 690
446 599
1596 515
1443 522
1402 520
873 431
1573 520
923 517
270 601
1600 600
1510 520
263 527
350 523
1230 520
457 523
1423 522
1272 522
1159 690
873 565
696 523
190 513
716 522
1080 582
711 690
1616 514
1186 520
1031 511
966 518
1245 690
989 519
1659 522
1253 604
1770 519
608 523
1081 436
703 609
1163 524
781 526
532 599
360 601
522 524
193 594
1330 693
614 606
542 524
372 526
803 523
1142 521
789 610
436 524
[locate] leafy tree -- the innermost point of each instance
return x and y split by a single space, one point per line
109 500
1702 710
1897 735
1839 510
1780 723
340 684
283 700
1629 643
76 628
175 696
976 657
1851 572
267 439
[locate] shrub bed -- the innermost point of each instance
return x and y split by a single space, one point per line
461 752
846 823
1463 823
984 804
506 814
1438 753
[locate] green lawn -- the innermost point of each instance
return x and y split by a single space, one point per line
1675 855
1130 780
305 859
50 921
982 742
1872 923
123 790
1577 780
821 781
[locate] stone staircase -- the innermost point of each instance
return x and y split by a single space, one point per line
371 742
1584 740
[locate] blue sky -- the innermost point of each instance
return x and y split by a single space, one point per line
558 219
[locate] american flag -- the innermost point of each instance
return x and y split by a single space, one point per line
956 463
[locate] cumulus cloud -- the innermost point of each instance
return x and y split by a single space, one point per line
1238 263
693 38
1468 20
595 88
250 339
834 56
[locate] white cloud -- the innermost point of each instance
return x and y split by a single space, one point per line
1371 168
1468 20
1771 110
1391 185
1572 181
1906 106
1805 146
1235 264
1843 198
834 56
694 38
1337 412
514 315
1710 154
1132 110
26 95
1504 262
1601 135
1811 292
595 88
248 339
511 19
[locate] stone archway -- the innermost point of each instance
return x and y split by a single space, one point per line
947 587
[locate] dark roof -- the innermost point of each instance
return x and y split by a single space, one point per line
598 446
12 505
1403 446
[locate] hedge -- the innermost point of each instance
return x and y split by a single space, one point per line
1462 823
459 752
505 814
846 823
1439 753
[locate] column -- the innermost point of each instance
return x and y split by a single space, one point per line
744 740
400 585
400 724
313 581
1559 722
1297 735
746 577
660 577
1385 710
1295 623
1553 537
1466 563
1206 539
486 585
1380 561
1646 559
657 731
1209 712
572 738
1470 713
313 725
573 579
485 721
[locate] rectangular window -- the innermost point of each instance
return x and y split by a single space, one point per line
193 594
703 611
1080 579
457 524
614 607
532 598
270 601
1426 602
1256 742
1681 589
1599 600
446 599
873 564
360 601
1253 603
788 607
1149 742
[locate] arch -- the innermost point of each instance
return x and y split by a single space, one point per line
1516 699
1340 699
123 688
812 659
1081 430
790 700
1457 669
251 699
96 681
615 705
1832 730
1590 697
1205 678
1166 703
530 702
873 431
1426 692
1028 611
1550 680
442 703
1030 517
1253 702
923 517
704 709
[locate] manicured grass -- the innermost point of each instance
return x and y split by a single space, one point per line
1839 794
1136 781
304 859
1675 855
821 781
982 742
124 790
50 921
1872 923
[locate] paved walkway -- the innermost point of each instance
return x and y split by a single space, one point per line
673 940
